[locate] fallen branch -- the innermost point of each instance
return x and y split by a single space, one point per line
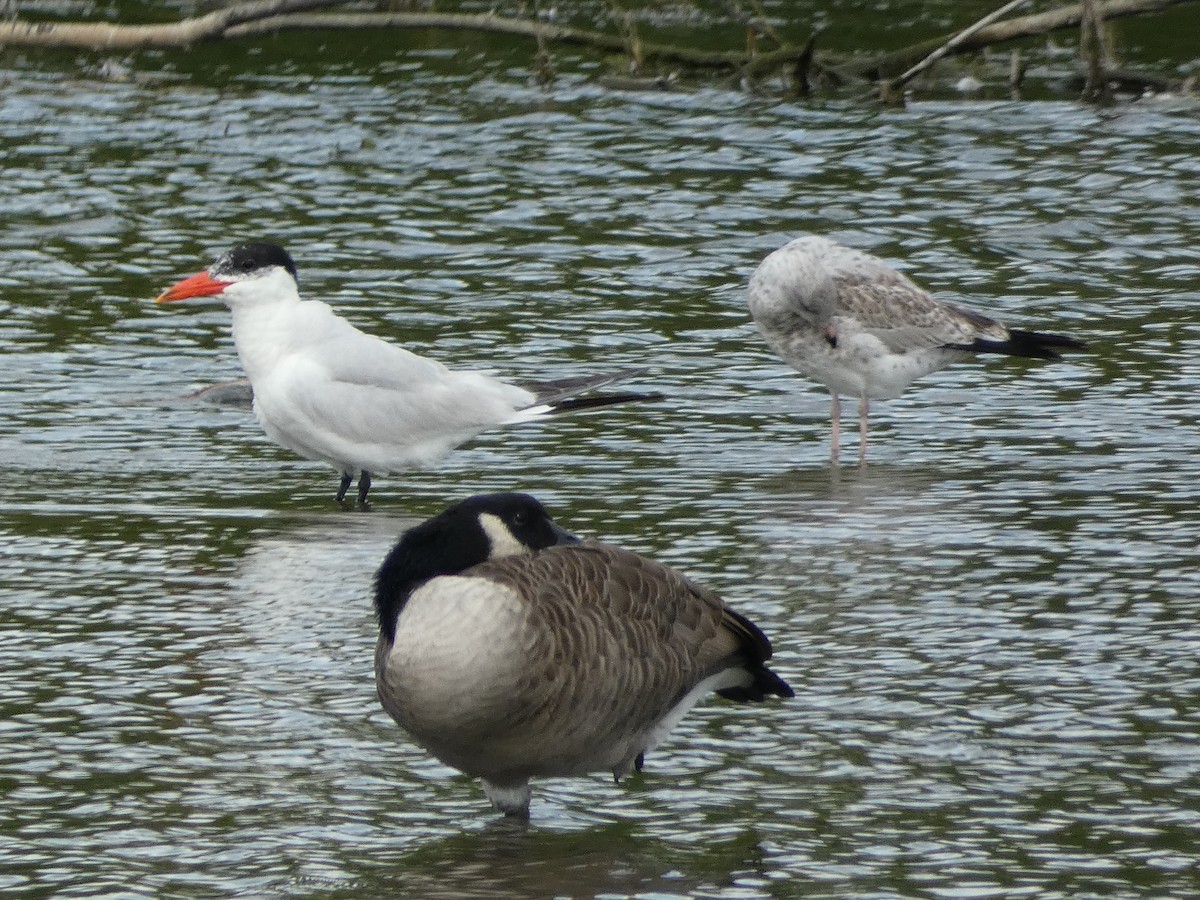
103 36
720 60
559 34
896 85
259 17
273 16
878 67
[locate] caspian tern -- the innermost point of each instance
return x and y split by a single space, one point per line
510 649
848 320
330 392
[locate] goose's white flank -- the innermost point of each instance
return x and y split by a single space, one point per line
846 319
511 650
329 392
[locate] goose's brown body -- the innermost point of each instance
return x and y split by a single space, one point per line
573 659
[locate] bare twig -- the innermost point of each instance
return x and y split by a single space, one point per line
543 70
1093 51
1013 29
756 22
765 23
1016 70
897 84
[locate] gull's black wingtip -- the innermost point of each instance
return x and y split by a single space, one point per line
1027 344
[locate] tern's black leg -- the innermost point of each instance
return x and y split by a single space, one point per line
364 485
343 487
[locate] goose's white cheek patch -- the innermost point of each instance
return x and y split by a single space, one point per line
503 542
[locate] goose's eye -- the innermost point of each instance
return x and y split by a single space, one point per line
520 518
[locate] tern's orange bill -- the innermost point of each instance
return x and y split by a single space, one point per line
199 285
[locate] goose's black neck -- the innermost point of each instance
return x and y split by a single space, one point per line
433 548
461 537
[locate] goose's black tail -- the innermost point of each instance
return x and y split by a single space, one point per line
756 649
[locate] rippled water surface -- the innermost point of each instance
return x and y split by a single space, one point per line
992 628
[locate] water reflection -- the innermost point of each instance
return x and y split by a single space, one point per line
503 859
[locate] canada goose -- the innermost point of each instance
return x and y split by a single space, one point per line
848 320
509 649
329 392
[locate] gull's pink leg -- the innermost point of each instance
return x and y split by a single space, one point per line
835 419
863 406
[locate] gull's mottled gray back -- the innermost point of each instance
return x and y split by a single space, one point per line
826 284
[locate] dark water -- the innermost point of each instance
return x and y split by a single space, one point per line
992 628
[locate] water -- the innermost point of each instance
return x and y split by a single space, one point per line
991 628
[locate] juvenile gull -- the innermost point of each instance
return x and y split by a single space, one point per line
846 319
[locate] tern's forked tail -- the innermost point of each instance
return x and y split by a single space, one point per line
563 396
